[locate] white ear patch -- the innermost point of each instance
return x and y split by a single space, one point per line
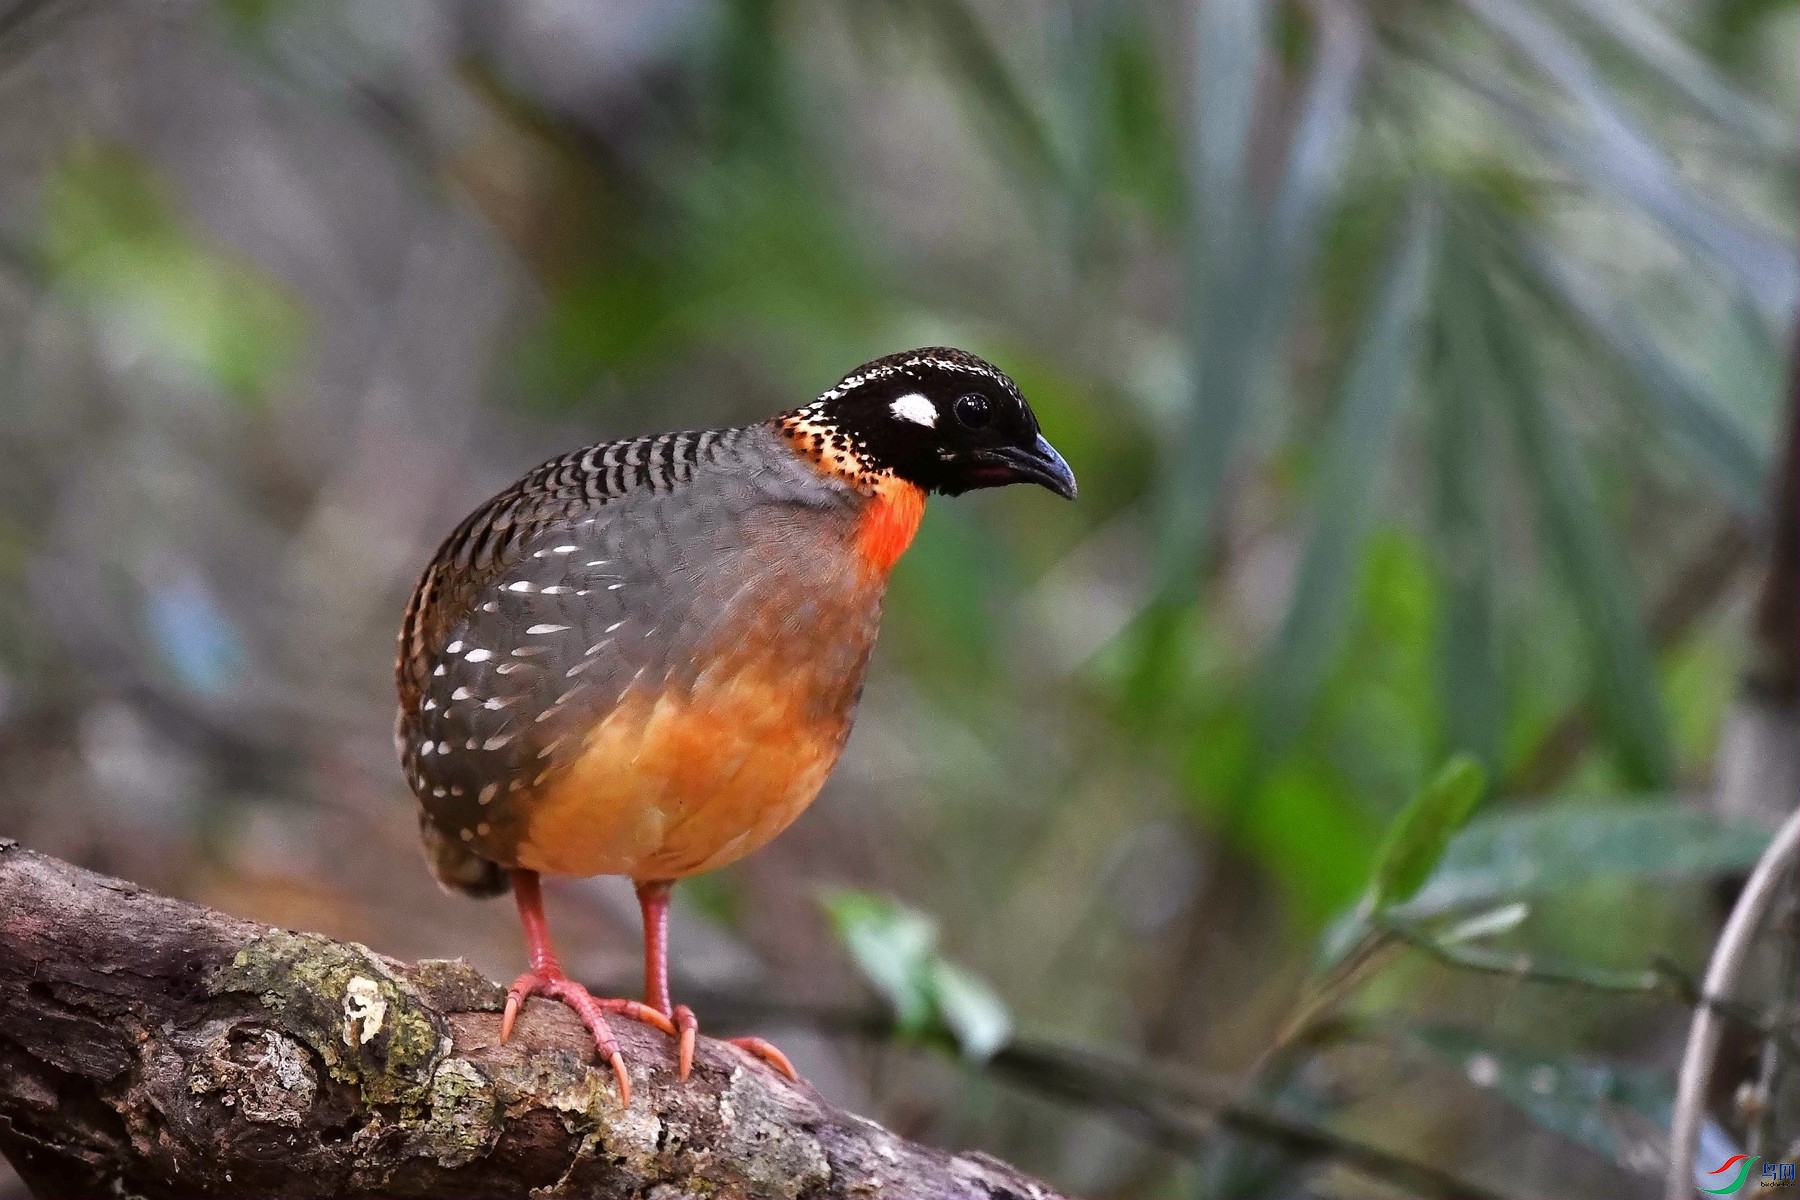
915 408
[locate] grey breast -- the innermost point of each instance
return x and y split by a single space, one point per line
625 571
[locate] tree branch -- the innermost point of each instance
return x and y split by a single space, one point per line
154 1048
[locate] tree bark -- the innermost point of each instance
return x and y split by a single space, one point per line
153 1048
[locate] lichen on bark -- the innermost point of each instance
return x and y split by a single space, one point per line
464 1116
318 987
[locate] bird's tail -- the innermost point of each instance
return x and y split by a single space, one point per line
458 868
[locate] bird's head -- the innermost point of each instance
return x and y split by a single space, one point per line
939 418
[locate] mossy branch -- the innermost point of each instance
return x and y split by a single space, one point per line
154 1048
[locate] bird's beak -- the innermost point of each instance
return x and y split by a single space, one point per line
1038 463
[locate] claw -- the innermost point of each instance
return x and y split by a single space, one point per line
618 1066
768 1053
508 1017
637 1010
690 1029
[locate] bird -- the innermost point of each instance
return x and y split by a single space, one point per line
643 657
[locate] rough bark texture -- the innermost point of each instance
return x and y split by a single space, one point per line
153 1048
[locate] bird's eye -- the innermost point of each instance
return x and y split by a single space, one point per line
973 410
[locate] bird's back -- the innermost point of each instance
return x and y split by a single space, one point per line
641 659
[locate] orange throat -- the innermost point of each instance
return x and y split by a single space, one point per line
895 507
887 525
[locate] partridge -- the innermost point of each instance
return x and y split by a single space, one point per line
643 658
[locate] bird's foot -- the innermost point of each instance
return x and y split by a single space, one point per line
689 1029
590 1008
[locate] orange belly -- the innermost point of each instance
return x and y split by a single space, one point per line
670 785
678 779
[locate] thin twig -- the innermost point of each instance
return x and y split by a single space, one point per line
1370 955
1661 980
1721 979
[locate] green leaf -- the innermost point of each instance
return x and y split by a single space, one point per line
1229 52
1619 1110
1699 423
1245 270
1377 385
1484 925
1639 30
1305 825
1223 334
997 103
1586 554
1606 146
1519 854
1416 841
895 948
971 1010
1132 147
1470 690
1313 170
113 244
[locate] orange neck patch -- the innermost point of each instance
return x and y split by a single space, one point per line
887 525
895 507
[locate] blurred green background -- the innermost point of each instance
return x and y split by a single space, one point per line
1422 364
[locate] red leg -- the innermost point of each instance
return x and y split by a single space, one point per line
653 899
546 978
